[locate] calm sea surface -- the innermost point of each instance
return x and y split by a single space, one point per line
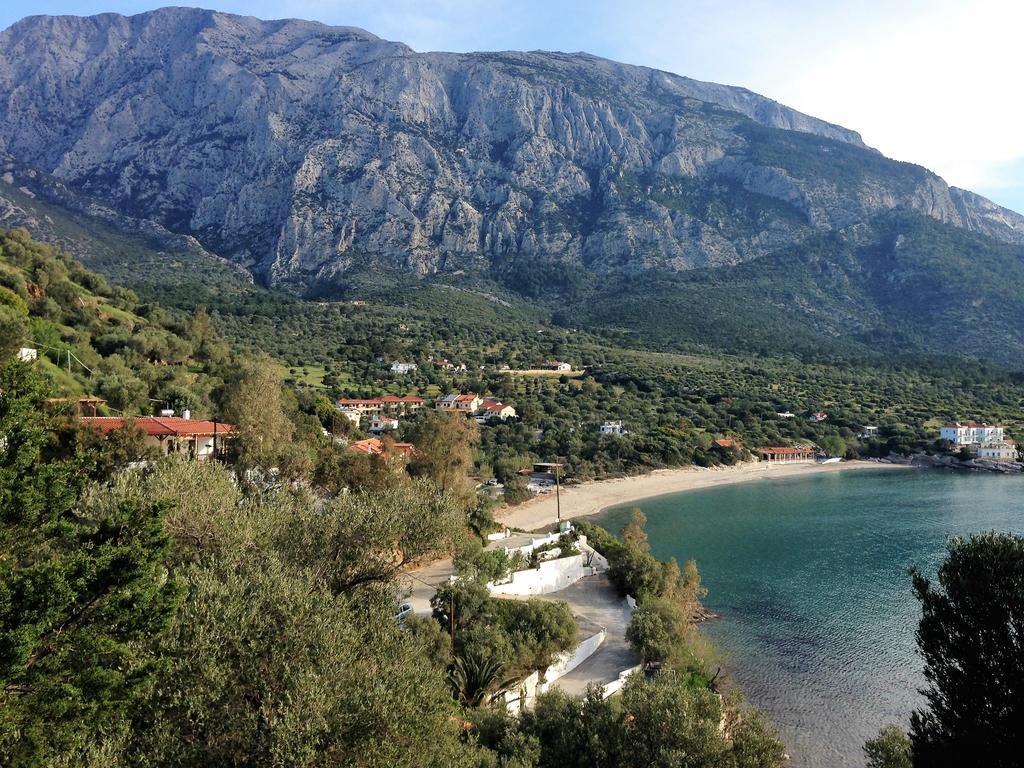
810 578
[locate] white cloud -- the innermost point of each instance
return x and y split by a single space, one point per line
939 87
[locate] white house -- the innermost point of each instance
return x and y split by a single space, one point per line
971 433
352 414
171 434
867 432
613 428
448 365
818 416
1001 451
399 367
557 365
495 410
461 403
28 354
785 415
383 423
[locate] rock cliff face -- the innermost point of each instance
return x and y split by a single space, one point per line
303 151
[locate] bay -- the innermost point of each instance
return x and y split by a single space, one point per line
809 576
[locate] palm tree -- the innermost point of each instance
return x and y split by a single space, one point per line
477 679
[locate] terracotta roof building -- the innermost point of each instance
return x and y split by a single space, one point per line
170 434
785 455
374 446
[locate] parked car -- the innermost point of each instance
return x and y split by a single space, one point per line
403 610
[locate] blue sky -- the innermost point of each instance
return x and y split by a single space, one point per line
935 82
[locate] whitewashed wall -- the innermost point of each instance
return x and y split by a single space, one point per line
526 693
553 575
549 576
610 689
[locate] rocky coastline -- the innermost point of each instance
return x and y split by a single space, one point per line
930 461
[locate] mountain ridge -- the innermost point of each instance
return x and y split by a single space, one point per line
320 159
304 151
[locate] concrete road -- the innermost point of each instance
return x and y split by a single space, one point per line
595 599
421 584
592 599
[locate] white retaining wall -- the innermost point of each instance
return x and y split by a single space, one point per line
528 690
553 575
549 576
610 689
568 661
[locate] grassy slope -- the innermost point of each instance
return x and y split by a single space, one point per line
95 338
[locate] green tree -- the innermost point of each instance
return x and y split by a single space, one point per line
971 638
539 630
637 573
285 650
890 749
577 732
370 537
445 444
672 724
81 592
655 630
477 678
833 445
12 331
633 534
253 402
268 668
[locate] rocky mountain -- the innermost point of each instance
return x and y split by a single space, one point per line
306 152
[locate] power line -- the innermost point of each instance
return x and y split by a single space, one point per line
59 350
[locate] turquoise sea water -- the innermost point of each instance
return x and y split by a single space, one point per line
810 578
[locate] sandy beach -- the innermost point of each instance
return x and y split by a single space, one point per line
591 498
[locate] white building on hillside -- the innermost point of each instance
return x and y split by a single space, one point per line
555 365
492 409
383 423
169 435
971 433
613 428
398 366
352 414
1003 451
458 402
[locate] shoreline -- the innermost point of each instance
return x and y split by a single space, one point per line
594 496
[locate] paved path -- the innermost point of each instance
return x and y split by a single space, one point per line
422 587
592 599
595 599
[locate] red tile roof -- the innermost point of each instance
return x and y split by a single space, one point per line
375 447
385 400
785 451
160 426
725 443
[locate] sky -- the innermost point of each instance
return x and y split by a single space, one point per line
933 82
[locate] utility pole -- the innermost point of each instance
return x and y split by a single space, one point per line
451 612
558 494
